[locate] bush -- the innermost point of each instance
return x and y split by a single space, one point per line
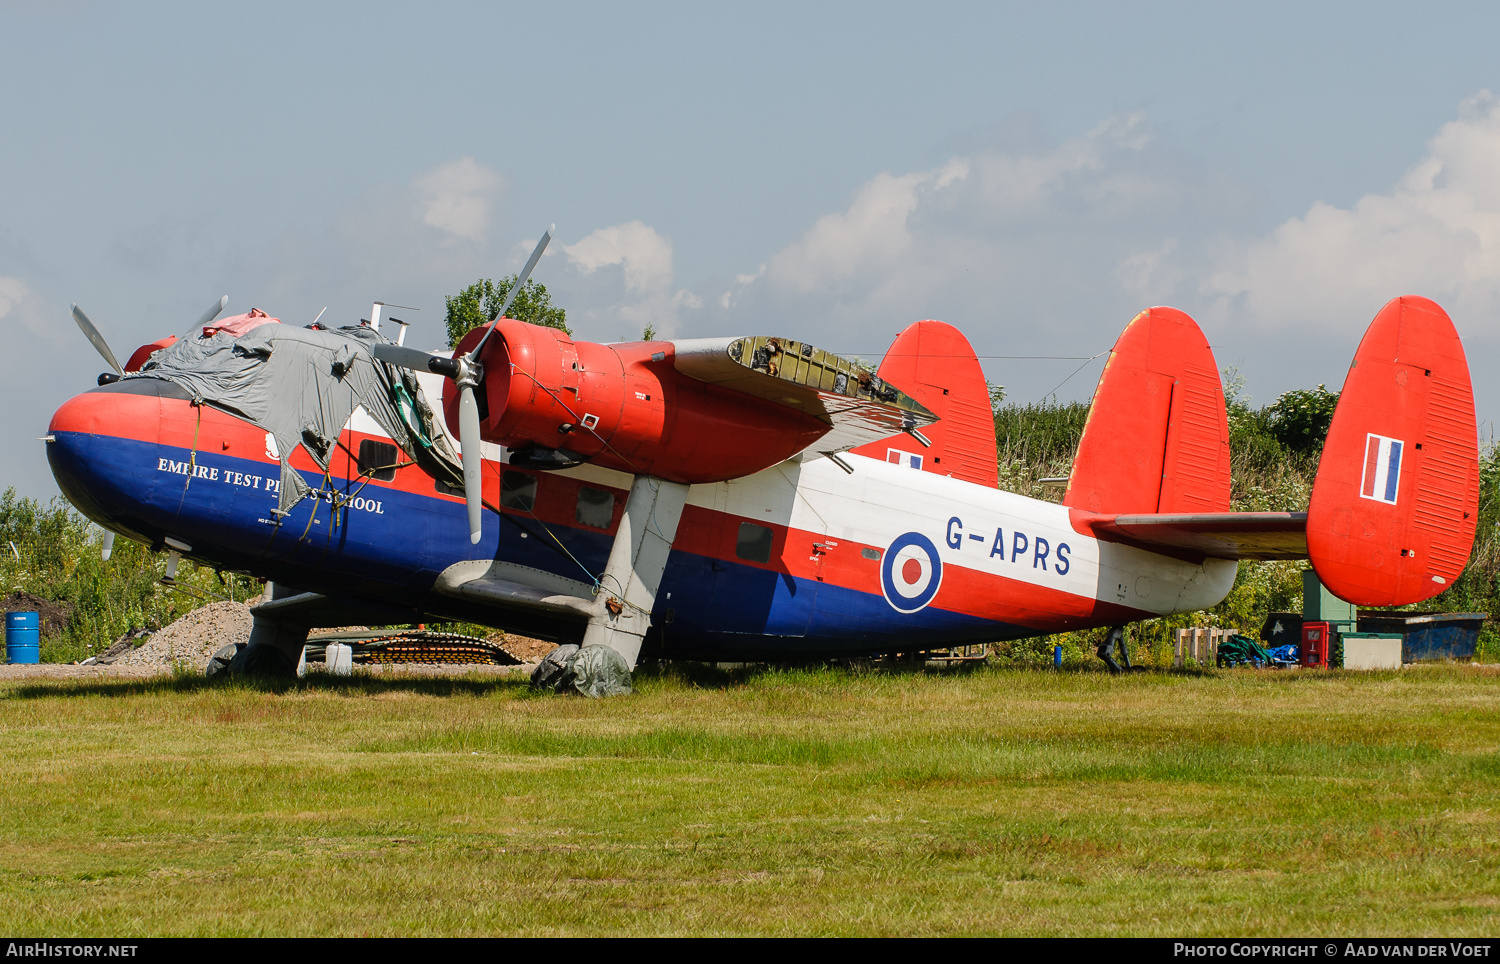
52 553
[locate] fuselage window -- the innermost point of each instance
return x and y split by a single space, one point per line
378 460
596 507
518 491
754 543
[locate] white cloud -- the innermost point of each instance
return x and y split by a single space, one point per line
648 299
645 255
12 292
456 197
23 307
1437 234
405 244
1020 243
873 233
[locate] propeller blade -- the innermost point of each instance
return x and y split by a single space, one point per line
417 361
525 274
468 439
96 339
515 289
213 312
109 544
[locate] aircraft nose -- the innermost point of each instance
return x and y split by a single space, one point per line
101 447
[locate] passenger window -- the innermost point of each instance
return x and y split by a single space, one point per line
518 491
378 460
754 543
596 507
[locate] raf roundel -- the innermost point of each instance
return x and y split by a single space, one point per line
911 572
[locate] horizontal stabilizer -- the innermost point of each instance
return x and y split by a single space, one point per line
1216 535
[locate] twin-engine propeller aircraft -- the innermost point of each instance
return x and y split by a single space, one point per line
746 498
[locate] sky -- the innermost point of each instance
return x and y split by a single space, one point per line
1034 174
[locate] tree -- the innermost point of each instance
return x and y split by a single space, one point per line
1299 418
476 304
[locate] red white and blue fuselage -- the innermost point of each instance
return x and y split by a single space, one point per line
884 558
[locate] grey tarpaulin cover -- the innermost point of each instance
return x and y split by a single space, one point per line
594 671
302 385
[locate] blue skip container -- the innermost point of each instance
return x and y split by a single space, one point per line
23 638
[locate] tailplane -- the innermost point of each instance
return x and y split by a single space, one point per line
1396 498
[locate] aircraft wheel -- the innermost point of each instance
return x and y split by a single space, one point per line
220 661
266 661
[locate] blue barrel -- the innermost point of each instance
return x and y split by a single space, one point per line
1057 657
23 638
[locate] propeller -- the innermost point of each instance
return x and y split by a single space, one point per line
466 373
91 332
212 312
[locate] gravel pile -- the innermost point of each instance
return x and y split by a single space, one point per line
193 638
524 648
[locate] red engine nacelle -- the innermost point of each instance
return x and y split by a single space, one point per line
625 407
143 354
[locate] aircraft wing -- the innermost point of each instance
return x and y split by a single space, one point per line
1218 535
857 405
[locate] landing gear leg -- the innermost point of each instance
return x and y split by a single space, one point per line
627 595
1114 642
275 650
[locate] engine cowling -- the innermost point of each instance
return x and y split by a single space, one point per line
624 407
143 354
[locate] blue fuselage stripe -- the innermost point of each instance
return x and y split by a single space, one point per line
388 546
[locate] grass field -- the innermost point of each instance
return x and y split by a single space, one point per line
773 802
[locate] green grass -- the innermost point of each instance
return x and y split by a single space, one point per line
1000 801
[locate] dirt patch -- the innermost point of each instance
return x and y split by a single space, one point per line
54 613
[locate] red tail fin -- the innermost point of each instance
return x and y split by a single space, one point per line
1157 439
932 362
1394 505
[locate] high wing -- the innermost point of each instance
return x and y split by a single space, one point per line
1214 535
859 406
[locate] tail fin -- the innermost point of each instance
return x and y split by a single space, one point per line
1393 508
1157 438
933 363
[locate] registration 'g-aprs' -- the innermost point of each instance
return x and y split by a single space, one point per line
742 498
